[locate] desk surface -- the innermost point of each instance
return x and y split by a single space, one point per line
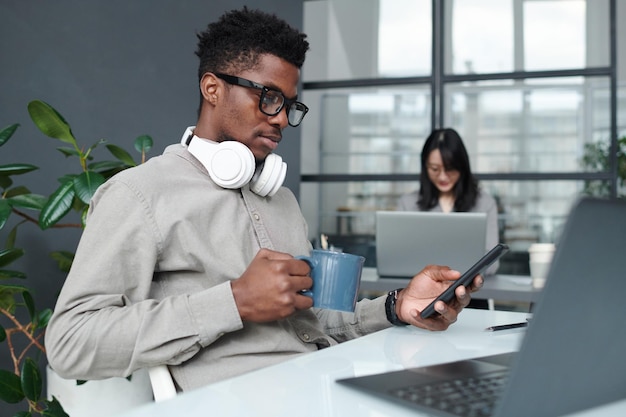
305 386
498 287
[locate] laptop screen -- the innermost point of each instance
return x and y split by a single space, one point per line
407 241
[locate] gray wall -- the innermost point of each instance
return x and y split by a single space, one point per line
114 69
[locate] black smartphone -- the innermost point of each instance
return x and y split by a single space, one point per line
466 279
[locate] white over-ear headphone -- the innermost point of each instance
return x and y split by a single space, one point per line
231 164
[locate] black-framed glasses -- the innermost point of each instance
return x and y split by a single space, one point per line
271 101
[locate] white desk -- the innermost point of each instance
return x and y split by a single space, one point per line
497 287
305 386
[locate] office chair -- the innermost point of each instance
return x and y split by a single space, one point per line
111 396
162 383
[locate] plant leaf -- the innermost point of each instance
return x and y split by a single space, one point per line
19 190
54 409
67 177
121 154
7 296
143 143
30 304
43 318
16 169
7 274
3 334
29 201
31 380
9 255
50 122
10 243
5 212
103 166
86 184
10 387
69 151
83 217
7 132
58 205
64 260
78 205
5 182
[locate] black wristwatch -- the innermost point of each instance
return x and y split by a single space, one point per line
390 308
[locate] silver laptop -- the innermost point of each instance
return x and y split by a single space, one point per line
572 356
407 241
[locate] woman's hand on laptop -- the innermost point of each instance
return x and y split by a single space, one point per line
424 288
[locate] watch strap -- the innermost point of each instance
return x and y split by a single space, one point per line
390 308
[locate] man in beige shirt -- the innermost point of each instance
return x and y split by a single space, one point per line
184 263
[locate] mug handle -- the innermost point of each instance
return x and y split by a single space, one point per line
308 260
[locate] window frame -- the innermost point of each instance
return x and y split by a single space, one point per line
439 79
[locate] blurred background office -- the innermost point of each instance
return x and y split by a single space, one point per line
536 88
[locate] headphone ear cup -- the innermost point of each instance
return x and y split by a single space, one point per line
269 177
231 164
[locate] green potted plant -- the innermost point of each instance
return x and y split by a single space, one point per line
22 325
596 158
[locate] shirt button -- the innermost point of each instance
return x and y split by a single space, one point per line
257 217
306 336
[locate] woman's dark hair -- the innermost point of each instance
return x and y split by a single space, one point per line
236 41
454 157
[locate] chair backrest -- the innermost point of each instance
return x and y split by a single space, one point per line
100 398
162 383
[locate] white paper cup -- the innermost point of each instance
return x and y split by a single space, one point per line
540 258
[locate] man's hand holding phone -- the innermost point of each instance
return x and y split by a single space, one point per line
434 297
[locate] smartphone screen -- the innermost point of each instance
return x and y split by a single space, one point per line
466 279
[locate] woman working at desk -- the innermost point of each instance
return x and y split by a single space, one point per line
448 185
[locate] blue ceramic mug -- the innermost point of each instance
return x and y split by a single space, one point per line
336 278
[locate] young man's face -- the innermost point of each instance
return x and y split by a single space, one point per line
238 112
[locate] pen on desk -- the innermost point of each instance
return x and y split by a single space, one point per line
507 326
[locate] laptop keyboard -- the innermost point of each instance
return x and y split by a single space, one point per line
468 397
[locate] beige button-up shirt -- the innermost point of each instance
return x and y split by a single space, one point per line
150 283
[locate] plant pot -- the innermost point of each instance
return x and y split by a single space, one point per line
101 398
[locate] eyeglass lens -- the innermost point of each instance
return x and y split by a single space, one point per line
272 103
